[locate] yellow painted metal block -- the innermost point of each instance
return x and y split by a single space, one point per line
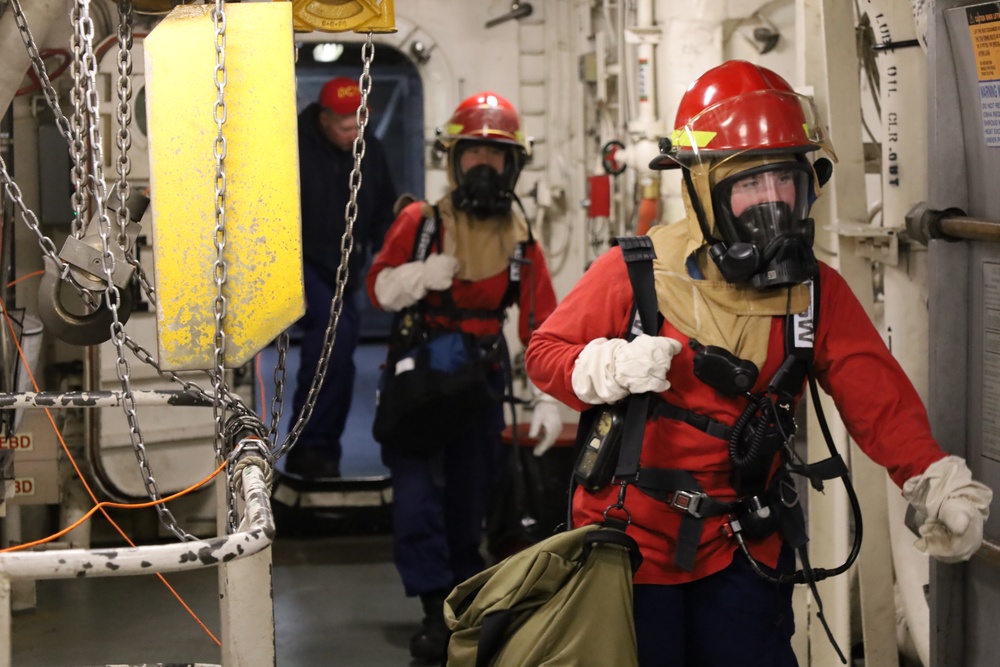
376 16
263 244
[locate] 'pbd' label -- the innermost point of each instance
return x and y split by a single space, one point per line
24 486
22 442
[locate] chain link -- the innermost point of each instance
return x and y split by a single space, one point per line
124 141
63 125
85 88
77 146
82 132
219 268
43 76
346 246
234 401
279 388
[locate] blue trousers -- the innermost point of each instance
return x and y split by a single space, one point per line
333 402
733 617
439 504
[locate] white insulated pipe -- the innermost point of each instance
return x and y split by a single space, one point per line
903 86
39 16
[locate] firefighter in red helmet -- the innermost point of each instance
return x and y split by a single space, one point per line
748 314
455 266
482 124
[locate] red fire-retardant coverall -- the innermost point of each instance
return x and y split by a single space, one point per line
876 400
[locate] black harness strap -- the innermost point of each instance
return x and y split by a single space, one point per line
681 491
713 427
638 253
677 488
429 234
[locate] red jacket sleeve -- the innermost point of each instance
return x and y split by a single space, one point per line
876 400
398 245
598 306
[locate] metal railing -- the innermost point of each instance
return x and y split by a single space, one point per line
255 534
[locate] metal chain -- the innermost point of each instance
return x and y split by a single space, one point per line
346 246
63 125
85 130
43 76
124 113
29 218
279 388
124 142
68 133
86 81
219 236
234 401
77 147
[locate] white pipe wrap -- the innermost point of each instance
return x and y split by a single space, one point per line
903 84
257 535
39 15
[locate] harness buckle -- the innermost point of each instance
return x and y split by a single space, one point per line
687 502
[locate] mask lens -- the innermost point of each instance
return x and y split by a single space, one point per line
761 204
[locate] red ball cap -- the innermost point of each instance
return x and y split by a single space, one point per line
341 96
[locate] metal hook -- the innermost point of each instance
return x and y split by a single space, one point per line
91 329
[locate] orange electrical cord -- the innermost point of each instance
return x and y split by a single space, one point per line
108 503
101 505
25 277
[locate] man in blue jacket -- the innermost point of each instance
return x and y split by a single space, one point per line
327 131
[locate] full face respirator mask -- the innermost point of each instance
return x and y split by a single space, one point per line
766 237
481 192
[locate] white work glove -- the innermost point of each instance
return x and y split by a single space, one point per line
401 286
545 418
609 370
955 507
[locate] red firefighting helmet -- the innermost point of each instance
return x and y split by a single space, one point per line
739 108
484 116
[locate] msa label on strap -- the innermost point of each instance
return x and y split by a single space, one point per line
426 234
516 260
804 324
636 329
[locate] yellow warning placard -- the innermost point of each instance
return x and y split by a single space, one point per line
984 27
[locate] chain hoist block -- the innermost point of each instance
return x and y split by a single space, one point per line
84 254
84 258
91 328
261 276
342 15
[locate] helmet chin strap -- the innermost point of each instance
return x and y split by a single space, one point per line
699 210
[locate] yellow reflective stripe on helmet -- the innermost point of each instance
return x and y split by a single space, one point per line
683 137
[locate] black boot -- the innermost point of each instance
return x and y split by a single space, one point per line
431 643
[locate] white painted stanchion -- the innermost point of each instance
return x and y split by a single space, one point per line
252 541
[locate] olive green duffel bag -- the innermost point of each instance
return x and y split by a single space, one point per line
564 601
